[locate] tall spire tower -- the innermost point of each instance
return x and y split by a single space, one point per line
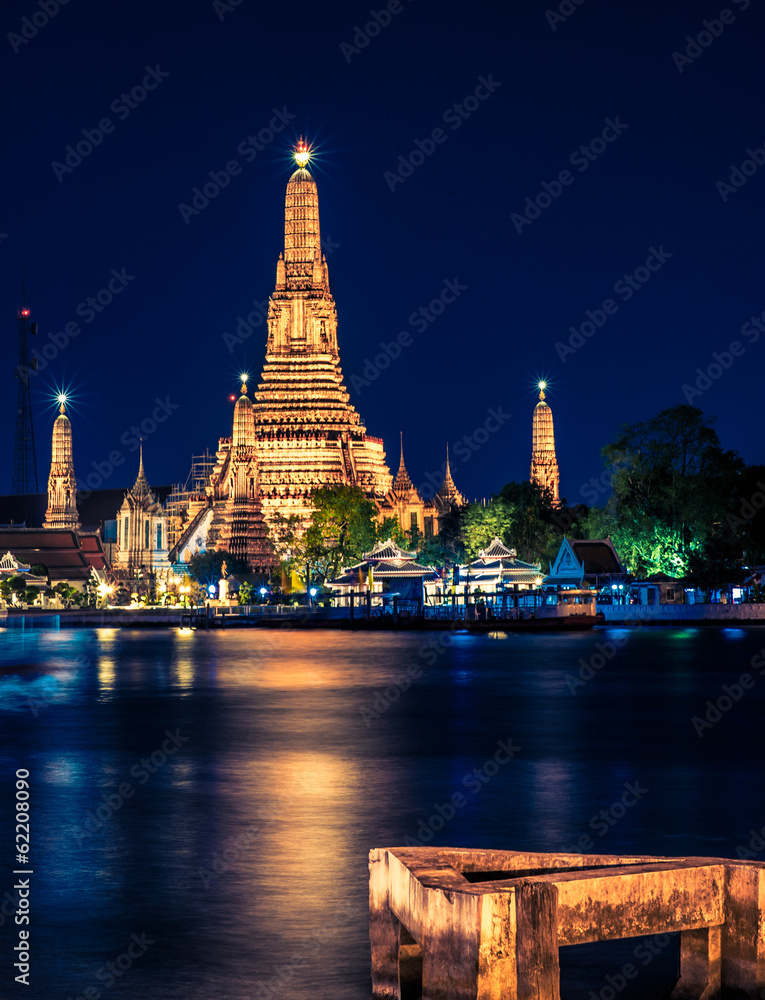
544 464
62 484
239 518
308 434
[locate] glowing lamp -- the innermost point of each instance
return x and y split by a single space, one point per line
542 384
302 153
61 397
314 592
211 588
263 591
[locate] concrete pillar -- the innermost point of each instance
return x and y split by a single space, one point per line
536 949
700 965
384 931
743 936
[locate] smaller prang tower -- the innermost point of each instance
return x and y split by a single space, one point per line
235 486
62 485
544 464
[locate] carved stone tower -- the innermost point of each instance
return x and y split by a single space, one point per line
307 432
238 515
544 465
62 485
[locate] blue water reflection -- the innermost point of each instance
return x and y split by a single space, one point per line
219 793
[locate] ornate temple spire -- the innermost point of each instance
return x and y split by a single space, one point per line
402 483
62 484
307 432
244 426
238 515
448 489
141 486
544 464
303 264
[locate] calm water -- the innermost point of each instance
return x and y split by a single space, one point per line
237 855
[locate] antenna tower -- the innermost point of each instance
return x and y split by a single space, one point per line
24 460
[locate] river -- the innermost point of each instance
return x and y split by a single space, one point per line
203 803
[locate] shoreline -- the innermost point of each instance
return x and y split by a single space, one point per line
323 619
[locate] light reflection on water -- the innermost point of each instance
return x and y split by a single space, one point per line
242 848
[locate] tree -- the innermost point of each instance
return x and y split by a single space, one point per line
523 516
343 526
67 594
672 468
246 593
672 481
483 523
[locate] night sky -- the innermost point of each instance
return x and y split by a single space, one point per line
536 93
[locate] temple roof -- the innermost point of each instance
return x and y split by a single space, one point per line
387 550
66 554
497 550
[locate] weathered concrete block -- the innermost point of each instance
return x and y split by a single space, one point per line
488 925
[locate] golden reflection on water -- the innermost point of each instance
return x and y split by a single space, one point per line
107 673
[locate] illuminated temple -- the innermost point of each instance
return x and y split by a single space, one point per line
307 432
544 464
62 482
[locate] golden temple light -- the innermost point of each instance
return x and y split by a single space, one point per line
302 153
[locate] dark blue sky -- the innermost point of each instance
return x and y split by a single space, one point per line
652 186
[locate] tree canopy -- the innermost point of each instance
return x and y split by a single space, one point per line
675 493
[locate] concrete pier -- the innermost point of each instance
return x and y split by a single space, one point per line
448 924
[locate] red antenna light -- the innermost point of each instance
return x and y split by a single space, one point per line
24 312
